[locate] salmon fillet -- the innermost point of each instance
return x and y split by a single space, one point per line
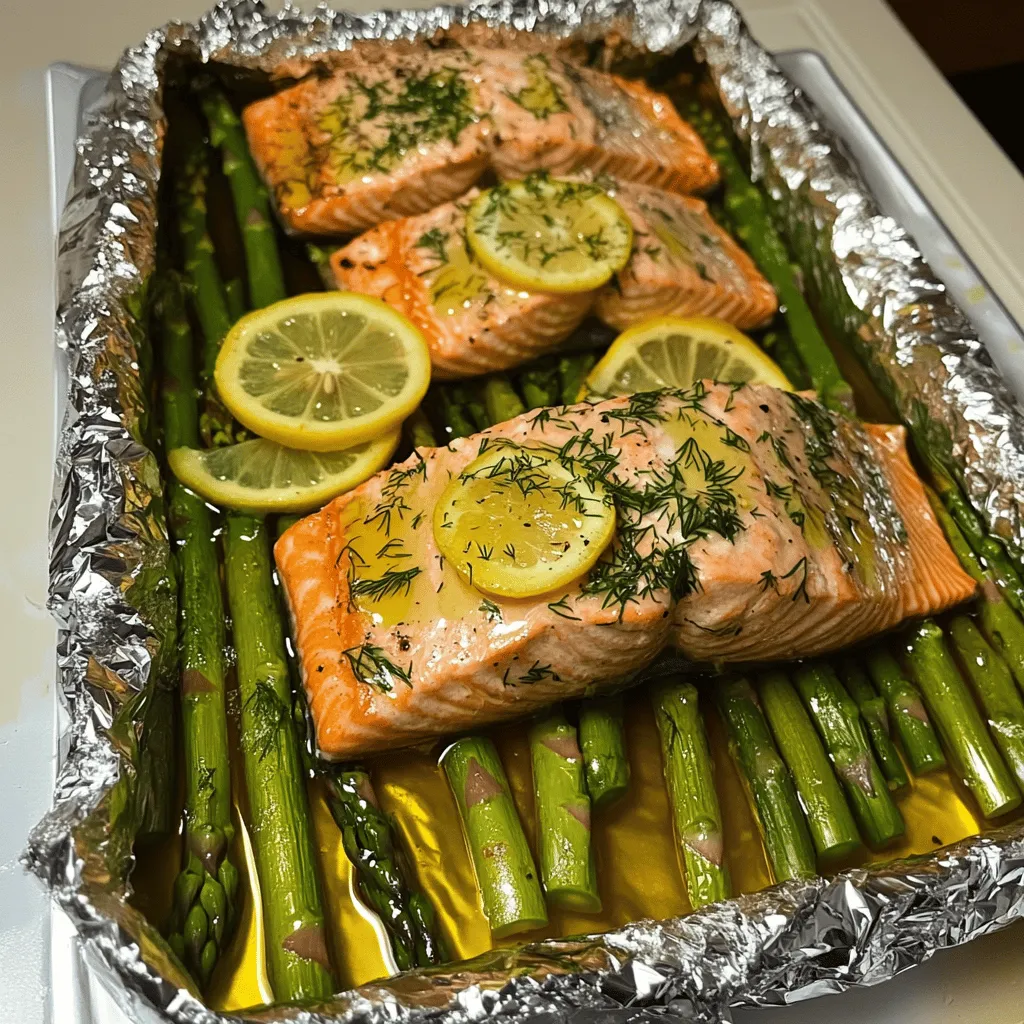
553 115
390 134
682 264
423 267
394 133
751 525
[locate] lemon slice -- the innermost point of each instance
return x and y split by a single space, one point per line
518 522
324 371
675 352
548 235
263 476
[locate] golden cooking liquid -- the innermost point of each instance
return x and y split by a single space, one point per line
638 868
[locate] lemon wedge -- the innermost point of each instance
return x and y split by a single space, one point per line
675 352
518 521
547 235
262 476
323 372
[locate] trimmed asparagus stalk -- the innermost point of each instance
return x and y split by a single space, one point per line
603 742
505 872
470 401
252 203
540 385
572 372
206 890
689 776
234 294
368 837
567 864
906 711
751 223
872 710
771 788
453 420
839 723
952 708
994 685
501 401
419 430
829 818
779 345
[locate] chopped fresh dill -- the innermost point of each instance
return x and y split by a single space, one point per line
491 610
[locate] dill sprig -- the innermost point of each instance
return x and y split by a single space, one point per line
394 581
371 665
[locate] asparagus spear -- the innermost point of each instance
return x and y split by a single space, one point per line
501 402
505 872
779 345
751 222
572 372
540 385
206 889
774 796
603 742
872 710
838 720
567 863
368 837
993 683
419 430
958 721
454 422
234 294
1000 622
469 400
252 204
828 814
907 711
297 958
689 776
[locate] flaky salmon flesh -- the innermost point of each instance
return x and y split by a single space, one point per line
682 263
751 525
393 133
473 323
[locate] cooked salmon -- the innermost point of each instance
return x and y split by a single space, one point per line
751 525
473 323
391 134
551 114
683 264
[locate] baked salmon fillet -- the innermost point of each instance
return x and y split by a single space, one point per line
423 267
751 525
550 114
389 134
682 264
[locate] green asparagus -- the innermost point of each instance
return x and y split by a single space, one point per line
839 723
689 776
234 294
500 400
252 204
603 742
572 373
419 430
505 872
829 817
779 345
872 710
993 683
956 716
906 711
567 863
206 890
540 385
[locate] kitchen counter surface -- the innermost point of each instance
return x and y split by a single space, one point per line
972 186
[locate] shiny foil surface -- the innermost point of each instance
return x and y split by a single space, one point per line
112 591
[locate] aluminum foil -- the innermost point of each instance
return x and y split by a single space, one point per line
112 587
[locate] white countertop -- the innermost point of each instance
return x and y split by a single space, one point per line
972 186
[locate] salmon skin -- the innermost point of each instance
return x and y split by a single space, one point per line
752 525
394 133
423 267
682 264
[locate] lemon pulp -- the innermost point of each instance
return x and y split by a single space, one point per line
263 476
674 352
324 371
548 235
518 522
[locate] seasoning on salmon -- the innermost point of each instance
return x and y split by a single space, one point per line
390 134
551 114
473 323
682 264
752 525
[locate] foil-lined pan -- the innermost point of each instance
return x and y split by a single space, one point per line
112 587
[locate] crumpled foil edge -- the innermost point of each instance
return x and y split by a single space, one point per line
108 536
